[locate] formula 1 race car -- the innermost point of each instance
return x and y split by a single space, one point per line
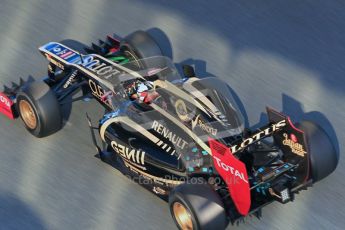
184 136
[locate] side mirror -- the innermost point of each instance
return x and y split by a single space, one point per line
188 71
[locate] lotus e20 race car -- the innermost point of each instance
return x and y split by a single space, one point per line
183 135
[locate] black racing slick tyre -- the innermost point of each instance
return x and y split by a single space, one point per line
197 207
39 109
139 45
323 156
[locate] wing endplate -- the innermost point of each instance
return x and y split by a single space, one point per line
234 173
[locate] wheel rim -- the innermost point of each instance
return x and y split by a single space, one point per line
27 113
182 216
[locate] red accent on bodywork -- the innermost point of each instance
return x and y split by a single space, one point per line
113 50
293 126
234 173
6 106
293 138
104 97
115 43
150 97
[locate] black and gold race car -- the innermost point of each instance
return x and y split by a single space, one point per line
182 137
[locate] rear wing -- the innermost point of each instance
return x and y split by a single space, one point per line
287 137
292 141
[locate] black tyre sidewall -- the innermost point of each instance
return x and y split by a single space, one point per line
141 45
323 156
45 106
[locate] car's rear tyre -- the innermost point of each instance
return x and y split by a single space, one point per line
39 109
197 207
139 45
323 156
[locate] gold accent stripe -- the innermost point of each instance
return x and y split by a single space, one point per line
160 143
131 124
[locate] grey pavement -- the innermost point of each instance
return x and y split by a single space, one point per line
285 54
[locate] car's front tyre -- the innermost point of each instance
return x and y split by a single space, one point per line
39 109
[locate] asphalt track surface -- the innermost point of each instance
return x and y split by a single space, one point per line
285 54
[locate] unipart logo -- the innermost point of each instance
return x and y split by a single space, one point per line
296 147
5 101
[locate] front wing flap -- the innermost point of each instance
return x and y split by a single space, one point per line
8 98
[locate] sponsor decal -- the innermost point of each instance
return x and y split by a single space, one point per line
103 70
96 89
257 136
134 155
53 61
159 190
70 80
181 110
292 142
5 101
168 134
98 92
230 169
5 106
66 55
200 123
57 49
234 173
62 52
